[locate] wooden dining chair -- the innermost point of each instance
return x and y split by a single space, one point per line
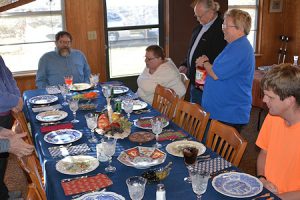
31 169
192 118
226 141
186 81
20 120
33 193
165 100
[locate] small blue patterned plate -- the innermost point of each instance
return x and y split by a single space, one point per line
101 196
237 185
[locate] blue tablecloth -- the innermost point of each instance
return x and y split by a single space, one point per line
176 188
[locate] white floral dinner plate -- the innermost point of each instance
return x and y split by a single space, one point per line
145 123
137 105
101 196
43 99
237 185
75 165
176 148
120 89
142 157
80 86
51 116
62 136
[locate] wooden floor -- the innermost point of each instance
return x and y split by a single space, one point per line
16 180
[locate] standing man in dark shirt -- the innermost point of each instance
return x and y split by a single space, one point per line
207 39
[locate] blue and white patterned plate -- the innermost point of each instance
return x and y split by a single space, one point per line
51 116
237 185
101 196
120 89
43 99
62 136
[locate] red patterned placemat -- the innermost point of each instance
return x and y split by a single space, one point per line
46 129
85 184
171 135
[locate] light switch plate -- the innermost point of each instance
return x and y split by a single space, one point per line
92 35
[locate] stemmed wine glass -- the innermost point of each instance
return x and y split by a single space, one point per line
136 187
128 107
73 104
190 156
199 181
91 120
94 79
68 80
64 91
109 148
157 127
106 89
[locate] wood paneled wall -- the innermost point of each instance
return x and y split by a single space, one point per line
83 16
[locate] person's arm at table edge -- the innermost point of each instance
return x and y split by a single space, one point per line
209 70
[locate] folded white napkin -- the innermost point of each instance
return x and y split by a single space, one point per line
46 108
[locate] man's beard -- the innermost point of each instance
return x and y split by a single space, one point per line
64 52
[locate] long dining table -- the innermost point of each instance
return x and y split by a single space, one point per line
176 187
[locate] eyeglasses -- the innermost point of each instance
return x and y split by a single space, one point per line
224 26
149 59
64 42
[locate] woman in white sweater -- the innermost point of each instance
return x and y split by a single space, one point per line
158 70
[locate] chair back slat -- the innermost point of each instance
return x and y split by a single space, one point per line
192 118
226 141
165 100
21 120
30 167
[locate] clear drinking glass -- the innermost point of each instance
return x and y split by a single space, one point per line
109 148
128 107
157 127
68 80
199 181
94 79
64 91
106 90
190 156
73 104
136 187
91 121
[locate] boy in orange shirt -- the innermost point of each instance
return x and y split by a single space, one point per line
278 163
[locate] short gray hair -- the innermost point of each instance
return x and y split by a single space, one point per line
209 4
241 19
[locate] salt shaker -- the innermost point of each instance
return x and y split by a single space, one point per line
160 192
295 61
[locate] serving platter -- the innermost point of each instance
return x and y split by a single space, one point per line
176 148
101 196
80 86
43 99
137 105
142 157
237 185
141 137
63 136
122 135
120 89
75 165
145 122
51 116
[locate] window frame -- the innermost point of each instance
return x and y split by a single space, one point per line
258 23
30 14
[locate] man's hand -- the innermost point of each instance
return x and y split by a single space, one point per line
18 146
183 69
19 106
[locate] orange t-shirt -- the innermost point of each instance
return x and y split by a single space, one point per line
282 144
